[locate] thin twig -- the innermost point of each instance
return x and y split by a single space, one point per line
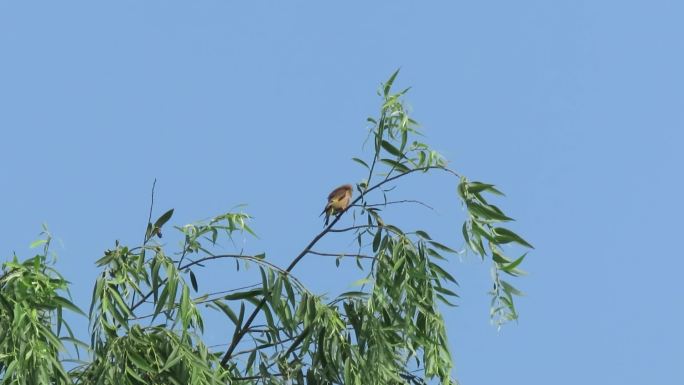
362 256
398 202
145 239
149 217
345 229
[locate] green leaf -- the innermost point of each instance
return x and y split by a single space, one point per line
486 212
37 243
250 361
388 84
353 294
442 273
478 229
445 301
504 235
133 374
139 361
238 324
243 294
396 165
499 258
97 294
114 293
508 288
163 219
389 147
173 359
361 162
511 266
445 291
193 281
65 303
156 265
162 301
476 187
227 311
376 240
442 247
462 189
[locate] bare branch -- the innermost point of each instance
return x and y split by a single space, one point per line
398 202
343 255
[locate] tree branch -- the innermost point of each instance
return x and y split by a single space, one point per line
398 202
362 256
308 247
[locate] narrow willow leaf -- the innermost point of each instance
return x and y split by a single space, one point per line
511 289
193 281
361 162
163 219
264 280
290 293
244 294
445 301
133 374
389 147
504 235
442 247
227 311
114 293
483 232
486 212
353 294
185 306
161 302
376 240
499 258
442 273
396 165
97 294
156 265
37 243
462 189
511 266
250 361
445 291
139 361
63 302
390 81
238 324
476 187
173 359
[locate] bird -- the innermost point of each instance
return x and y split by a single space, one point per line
338 200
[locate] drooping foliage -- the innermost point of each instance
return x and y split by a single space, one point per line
147 311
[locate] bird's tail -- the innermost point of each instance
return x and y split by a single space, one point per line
327 212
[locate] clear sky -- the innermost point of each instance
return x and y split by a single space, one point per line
575 109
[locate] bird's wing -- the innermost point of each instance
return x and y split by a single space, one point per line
338 193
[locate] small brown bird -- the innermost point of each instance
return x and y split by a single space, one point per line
338 200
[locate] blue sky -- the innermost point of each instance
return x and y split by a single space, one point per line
573 108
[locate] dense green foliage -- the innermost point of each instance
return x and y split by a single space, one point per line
147 315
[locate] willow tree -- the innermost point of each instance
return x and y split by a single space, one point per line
147 312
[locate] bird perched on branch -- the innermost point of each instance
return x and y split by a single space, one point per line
338 200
